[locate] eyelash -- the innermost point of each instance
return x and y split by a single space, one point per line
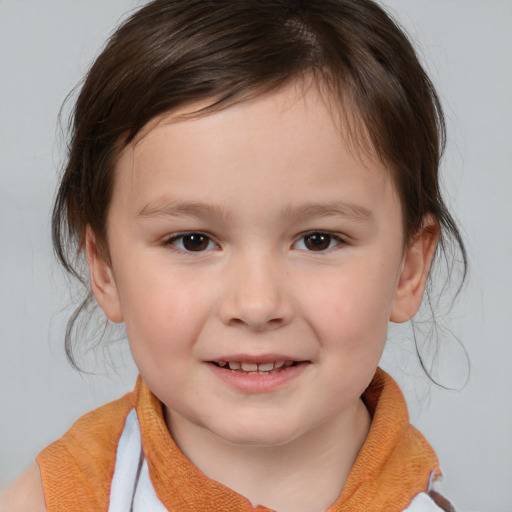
204 238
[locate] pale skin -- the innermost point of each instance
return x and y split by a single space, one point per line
299 255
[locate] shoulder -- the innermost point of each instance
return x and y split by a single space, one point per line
76 470
96 430
25 493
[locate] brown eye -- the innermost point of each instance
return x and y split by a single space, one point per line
317 241
195 242
192 242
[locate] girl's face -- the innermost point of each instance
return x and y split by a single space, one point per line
256 261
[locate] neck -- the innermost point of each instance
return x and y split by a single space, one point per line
304 475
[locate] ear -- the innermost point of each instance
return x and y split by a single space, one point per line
415 270
103 284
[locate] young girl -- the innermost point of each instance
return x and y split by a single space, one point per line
255 188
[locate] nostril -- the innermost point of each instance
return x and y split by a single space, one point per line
236 322
256 308
276 321
255 325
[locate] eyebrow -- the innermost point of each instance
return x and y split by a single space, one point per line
299 213
351 211
182 209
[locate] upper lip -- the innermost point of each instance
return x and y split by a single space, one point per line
257 359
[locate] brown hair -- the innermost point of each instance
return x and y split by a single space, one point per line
175 52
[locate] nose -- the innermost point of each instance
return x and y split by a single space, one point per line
255 294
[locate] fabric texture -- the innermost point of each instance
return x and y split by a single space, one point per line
392 471
131 488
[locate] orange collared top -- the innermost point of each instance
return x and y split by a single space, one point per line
393 466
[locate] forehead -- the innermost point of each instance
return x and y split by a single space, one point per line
290 140
311 91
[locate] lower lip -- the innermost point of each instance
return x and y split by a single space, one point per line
258 383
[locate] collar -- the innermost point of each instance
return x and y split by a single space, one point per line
393 465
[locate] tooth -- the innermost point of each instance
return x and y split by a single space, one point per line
222 364
249 367
278 364
288 363
233 365
265 367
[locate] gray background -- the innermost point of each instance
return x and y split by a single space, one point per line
45 47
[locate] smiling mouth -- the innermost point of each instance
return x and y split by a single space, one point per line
256 368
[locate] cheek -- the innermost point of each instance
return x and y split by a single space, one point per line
351 305
163 311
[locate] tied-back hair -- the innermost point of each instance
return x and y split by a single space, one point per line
174 53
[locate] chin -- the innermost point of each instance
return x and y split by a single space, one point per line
258 434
